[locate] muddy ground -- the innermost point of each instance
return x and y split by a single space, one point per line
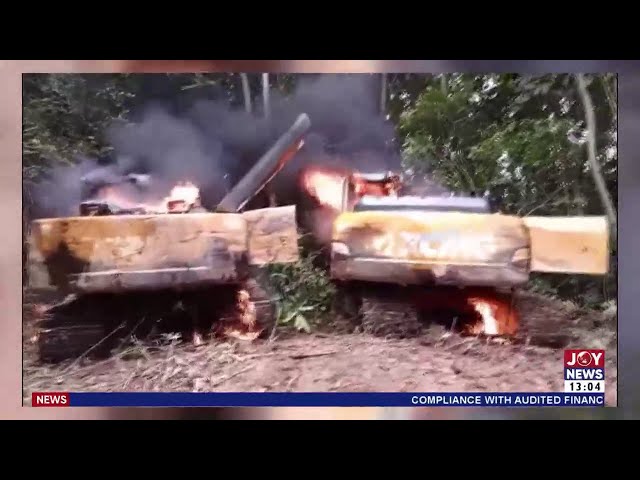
333 359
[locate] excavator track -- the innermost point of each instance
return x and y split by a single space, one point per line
252 314
388 316
262 297
64 342
91 326
70 330
405 312
540 324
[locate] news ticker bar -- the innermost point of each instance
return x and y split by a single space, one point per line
272 399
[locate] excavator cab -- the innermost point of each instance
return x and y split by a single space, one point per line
378 184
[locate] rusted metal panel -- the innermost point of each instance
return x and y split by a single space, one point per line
446 248
569 244
386 270
117 252
456 248
272 235
38 273
222 272
437 237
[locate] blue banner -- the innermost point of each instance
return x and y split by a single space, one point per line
318 399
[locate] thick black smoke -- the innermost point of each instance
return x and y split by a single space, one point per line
61 192
214 145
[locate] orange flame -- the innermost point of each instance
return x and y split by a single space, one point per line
481 310
325 185
497 315
241 321
363 187
182 197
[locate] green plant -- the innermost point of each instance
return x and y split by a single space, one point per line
304 291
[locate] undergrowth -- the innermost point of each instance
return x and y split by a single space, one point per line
305 292
583 290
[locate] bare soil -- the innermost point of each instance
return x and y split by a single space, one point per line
335 358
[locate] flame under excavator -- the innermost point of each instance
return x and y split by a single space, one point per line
170 260
400 259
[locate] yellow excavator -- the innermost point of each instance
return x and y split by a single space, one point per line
119 260
400 258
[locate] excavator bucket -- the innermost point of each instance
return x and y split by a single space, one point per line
569 244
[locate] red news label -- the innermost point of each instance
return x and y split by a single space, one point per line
49 399
584 358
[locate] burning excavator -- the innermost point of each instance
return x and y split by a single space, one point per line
163 259
401 259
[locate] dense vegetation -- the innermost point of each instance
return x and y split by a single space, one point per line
520 138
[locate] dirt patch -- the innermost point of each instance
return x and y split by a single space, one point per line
353 362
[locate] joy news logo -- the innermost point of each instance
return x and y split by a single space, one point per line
584 371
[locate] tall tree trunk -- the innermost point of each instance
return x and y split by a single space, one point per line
269 190
383 94
611 93
593 161
265 94
246 92
443 83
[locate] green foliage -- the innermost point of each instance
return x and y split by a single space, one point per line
304 290
519 138
66 115
440 131
531 164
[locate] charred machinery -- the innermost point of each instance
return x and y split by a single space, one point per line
402 259
119 253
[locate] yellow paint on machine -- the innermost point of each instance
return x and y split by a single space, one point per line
147 242
134 242
424 222
557 244
569 244
432 237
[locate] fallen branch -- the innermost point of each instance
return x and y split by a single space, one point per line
254 355
300 356
77 360
229 377
272 335
551 197
291 381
